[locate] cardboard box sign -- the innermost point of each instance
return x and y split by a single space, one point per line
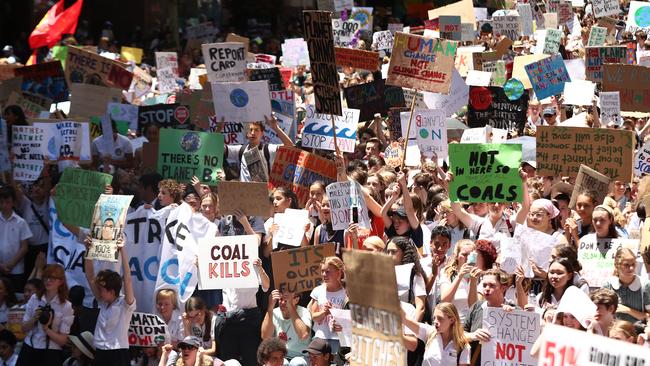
298 270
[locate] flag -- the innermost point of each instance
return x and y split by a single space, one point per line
56 22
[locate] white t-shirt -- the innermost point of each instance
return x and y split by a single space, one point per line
321 296
12 231
197 330
295 345
460 297
435 354
63 318
233 158
403 277
122 148
486 230
112 329
242 298
174 326
39 234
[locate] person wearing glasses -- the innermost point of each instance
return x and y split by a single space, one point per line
199 321
543 216
191 353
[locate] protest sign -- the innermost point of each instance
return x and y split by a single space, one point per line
452 102
272 74
344 198
525 19
637 16
227 262
291 227
552 38
286 124
422 63
485 172
602 8
46 79
372 292
597 257
537 246
166 81
317 132
512 335
519 70
200 104
167 60
147 330
203 32
241 102
383 40
363 15
610 107
251 198
89 68
492 107
373 97
548 76
450 27
632 82
431 132
298 169
185 154
464 8
27 147
283 101
141 83
90 100
132 54
65 140
597 36
31 109
298 270
480 58
579 92
409 94
561 150
295 52
124 114
641 160
464 58
589 180
478 78
107 226
596 57
76 195
467 32
344 31
320 43
358 59
225 61
164 116
507 25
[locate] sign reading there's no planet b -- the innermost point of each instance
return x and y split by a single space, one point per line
241 102
225 61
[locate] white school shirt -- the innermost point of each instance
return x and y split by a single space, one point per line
63 318
435 354
244 174
321 296
112 329
174 326
460 297
39 234
403 277
11 361
12 231
122 148
241 298
295 345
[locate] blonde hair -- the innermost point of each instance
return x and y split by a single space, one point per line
170 294
619 218
451 269
375 243
335 262
457 333
618 257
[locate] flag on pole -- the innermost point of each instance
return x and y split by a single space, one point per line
56 22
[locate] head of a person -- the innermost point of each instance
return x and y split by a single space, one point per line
210 206
317 191
82 348
496 209
108 227
495 284
151 132
606 302
603 220
548 314
625 265
550 115
365 134
319 352
375 163
440 241
284 198
148 187
38 191
462 251
54 280
373 146
7 200
33 286
109 284
271 352
376 184
166 302
447 321
569 252
559 278
332 270
192 198
188 349
585 204
198 313
169 191
14 115
399 219
486 254
255 133
283 304
570 321
623 331
374 244
402 249
563 201
7 344
541 214
619 188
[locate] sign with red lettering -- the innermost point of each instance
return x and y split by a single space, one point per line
227 262
512 335
359 59
86 67
147 330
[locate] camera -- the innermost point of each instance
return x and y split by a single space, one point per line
46 313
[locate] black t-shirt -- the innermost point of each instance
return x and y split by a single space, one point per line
416 235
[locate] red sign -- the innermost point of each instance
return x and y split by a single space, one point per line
182 114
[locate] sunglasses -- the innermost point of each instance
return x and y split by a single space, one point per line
184 347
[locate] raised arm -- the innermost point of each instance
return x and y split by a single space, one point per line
129 296
89 268
525 204
273 123
408 203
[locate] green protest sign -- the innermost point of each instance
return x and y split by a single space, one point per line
485 172
77 193
184 154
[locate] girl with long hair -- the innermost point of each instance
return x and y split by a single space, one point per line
411 286
199 321
560 277
329 294
633 292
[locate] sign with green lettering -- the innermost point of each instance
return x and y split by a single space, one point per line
183 154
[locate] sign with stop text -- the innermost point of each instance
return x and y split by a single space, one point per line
227 262
298 270
184 154
513 334
485 172
147 330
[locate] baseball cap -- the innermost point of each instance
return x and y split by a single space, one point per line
191 341
549 111
318 347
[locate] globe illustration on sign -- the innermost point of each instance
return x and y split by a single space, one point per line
513 89
191 142
642 16
239 98
424 133
51 147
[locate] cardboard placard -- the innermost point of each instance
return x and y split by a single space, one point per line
507 25
150 155
372 291
225 62
46 79
450 27
90 100
107 226
298 270
508 345
411 66
251 198
632 83
464 8
227 262
133 54
479 58
320 43
317 131
200 104
88 68
485 173
76 195
596 57
548 76
597 257
185 154
298 169
344 31
147 330
589 180
358 59
373 97
561 151
636 16
491 107
597 36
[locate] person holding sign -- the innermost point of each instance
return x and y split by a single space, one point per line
290 323
574 229
324 233
117 153
542 217
329 294
633 291
401 220
445 340
411 285
47 321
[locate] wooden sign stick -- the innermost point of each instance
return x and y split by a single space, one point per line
408 129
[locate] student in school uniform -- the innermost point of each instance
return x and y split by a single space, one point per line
14 233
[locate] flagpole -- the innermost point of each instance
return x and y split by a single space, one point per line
408 129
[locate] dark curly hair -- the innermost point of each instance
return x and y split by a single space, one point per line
269 346
488 251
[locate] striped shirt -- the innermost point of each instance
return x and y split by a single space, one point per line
631 295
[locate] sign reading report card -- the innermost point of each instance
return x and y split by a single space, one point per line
241 102
597 257
227 262
76 195
548 76
561 150
422 63
320 42
185 154
513 334
147 330
251 198
225 61
298 270
632 82
485 172
372 291
108 224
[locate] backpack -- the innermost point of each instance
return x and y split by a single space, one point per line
233 170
